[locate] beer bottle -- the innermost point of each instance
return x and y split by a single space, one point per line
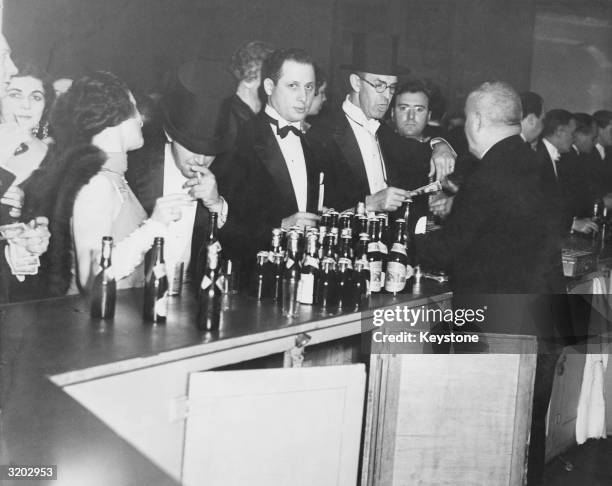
104 289
310 272
383 240
261 281
211 292
326 286
596 219
334 217
211 239
603 229
156 285
291 276
276 256
396 264
346 245
375 258
343 283
360 284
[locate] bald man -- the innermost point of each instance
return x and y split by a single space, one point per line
497 241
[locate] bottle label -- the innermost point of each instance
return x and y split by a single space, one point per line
398 248
375 276
383 279
161 305
206 282
305 289
289 263
382 248
373 246
221 283
346 261
311 261
159 270
396 277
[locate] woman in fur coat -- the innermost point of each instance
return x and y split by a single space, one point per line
96 122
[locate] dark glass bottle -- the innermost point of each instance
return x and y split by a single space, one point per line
596 219
276 258
375 258
211 292
156 285
261 280
291 276
310 272
326 286
344 277
104 288
346 245
396 263
334 219
211 239
360 284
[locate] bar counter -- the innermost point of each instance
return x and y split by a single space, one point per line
50 346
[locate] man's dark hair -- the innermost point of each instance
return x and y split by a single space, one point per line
273 64
531 103
555 119
413 86
584 123
603 118
437 102
319 78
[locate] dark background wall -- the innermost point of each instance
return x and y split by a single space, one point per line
456 43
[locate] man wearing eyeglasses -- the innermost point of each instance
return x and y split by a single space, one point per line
362 167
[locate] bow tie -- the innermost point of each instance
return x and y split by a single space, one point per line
282 132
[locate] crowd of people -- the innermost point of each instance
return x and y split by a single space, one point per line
77 162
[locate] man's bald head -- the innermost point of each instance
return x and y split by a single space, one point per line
493 112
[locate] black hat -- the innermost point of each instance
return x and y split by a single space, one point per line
190 109
376 54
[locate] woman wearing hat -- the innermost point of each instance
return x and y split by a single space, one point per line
96 123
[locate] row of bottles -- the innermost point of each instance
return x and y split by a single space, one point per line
332 273
214 282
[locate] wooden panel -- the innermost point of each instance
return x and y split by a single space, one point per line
435 418
310 419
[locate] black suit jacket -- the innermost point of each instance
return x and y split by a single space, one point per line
498 241
345 170
259 190
145 175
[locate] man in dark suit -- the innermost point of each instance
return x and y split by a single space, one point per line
362 167
556 163
273 178
497 241
180 146
603 150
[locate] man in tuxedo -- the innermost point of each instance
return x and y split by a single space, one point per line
556 163
588 173
603 118
273 178
533 114
180 146
362 167
497 241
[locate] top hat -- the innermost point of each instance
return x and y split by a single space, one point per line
376 54
190 109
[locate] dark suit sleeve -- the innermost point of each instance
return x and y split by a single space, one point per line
471 210
6 179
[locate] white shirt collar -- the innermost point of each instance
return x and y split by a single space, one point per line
552 150
272 113
356 114
601 149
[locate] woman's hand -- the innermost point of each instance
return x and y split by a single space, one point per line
168 208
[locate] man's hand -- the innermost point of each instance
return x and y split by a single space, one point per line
388 199
13 197
442 161
204 188
584 225
300 219
441 205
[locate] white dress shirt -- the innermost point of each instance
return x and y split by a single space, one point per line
365 133
293 153
601 149
554 155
